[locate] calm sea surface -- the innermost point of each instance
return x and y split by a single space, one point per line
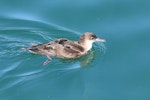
116 70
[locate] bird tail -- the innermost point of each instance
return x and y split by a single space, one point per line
31 50
24 48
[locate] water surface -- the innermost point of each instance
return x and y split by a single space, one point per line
116 70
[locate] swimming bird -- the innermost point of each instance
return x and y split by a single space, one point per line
65 48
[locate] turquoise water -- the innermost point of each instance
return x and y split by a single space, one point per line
116 70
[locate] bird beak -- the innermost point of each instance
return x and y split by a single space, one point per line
100 40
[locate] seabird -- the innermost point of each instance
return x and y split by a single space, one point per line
65 48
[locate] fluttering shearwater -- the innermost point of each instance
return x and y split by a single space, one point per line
65 48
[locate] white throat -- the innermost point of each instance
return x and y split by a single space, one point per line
88 45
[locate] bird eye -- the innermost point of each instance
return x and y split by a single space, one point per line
92 38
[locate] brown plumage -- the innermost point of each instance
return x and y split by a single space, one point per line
64 48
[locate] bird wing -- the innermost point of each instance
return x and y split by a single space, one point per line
69 45
61 47
68 49
73 46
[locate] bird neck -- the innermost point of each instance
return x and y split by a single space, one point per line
87 45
